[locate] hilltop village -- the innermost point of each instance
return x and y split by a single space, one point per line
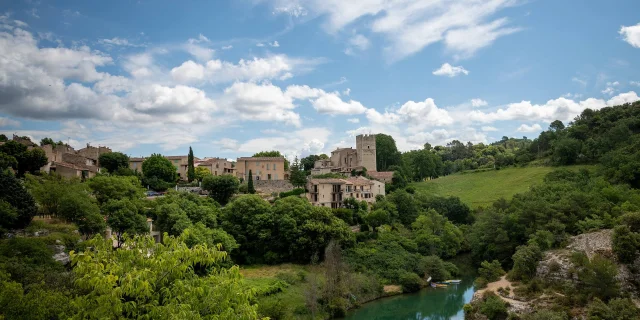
347 173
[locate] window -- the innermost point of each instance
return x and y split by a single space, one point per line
135 165
267 167
274 166
217 166
268 176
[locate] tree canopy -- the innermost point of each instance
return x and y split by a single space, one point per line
112 161
159 173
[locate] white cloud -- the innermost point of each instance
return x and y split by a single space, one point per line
6 122
198 48
357 43
414 115
558 109
467 41
347 92
580 81
250 101
260 44
293 10
631 35
529 128
274 44
292 144
227 47
478 103
572 95
489 129
326 102
613 84
354 120
635 83
217 71
20 24
609 90
227 144
450 71
410 25
119 42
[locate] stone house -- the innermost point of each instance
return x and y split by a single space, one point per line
384 176
217 166
64 160
332 192
93 152
135 164
262 168
345 160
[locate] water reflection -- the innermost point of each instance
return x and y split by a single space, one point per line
428 304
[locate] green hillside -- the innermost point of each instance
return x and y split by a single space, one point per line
483 188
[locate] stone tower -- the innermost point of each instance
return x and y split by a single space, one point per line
366 151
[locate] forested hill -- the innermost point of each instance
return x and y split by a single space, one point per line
609 136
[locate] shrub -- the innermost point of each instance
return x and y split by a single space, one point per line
492 271
493 306
294 192
625 244
410 282
480 283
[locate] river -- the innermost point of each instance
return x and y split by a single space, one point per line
427 304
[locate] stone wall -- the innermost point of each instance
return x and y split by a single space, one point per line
270 186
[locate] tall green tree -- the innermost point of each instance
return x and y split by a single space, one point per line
107 188
221 188
250 187
387 153
123 216
159 173
112 161
17 206
151 280
201 172
27 160
191 172
297 177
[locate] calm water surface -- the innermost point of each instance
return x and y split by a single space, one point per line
428 304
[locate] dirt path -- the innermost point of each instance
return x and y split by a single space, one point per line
502 283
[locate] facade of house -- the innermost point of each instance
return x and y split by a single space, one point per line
65 161
262 168
135 164
93 152
332 192
345 160
217 166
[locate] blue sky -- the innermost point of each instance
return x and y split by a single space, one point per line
231 78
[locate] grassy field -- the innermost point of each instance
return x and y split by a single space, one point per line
478 189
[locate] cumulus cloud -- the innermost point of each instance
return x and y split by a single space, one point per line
464 26
227 47
274 44
354 120
529 128
414 115
478 103
450 71
325 102
293 144
217 71
250 101
631 35
557 109
357 43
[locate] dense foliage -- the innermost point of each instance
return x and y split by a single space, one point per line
25 160
17 206
159 173
221 188
113 161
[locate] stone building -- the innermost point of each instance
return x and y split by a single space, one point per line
65 161
217 166
332 192
262 168
345 160
93 152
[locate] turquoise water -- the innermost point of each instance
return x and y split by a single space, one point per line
427 304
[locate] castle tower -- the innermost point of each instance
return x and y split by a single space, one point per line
366 151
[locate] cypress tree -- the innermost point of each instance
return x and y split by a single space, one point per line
250 187
191 171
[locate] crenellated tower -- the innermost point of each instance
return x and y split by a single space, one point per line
366 151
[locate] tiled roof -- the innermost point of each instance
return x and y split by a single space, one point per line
136 159
261 159
212 161
359 181
175 157
329 181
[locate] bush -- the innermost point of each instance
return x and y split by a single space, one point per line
492 271
243 188
493 306
480 283
410 282
294 192
625 244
